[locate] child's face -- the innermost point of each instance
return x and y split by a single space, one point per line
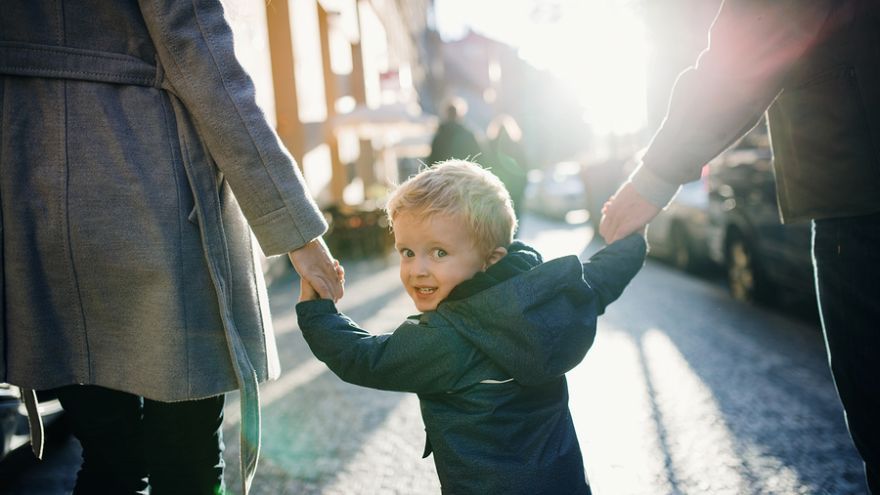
436 254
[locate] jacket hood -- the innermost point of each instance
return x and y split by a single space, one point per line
535 320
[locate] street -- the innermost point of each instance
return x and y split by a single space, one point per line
684 392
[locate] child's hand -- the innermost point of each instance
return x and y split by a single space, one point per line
308 293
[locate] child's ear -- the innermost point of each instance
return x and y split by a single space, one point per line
495 256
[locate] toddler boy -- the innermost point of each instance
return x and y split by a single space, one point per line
497 332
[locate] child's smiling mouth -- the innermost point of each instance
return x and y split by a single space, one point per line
426 290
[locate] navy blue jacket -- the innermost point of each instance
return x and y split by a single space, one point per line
489 366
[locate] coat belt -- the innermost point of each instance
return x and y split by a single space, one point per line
36 60
202 180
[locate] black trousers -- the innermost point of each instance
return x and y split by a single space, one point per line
846 256
130 443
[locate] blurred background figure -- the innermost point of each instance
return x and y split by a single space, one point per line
506 158
453 139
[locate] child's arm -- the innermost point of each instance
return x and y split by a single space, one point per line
610 270
415 358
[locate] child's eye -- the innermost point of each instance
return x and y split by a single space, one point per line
407 253
441 253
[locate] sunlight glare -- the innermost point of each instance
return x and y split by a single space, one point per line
665 430
622 454
598 48
689 414
554 243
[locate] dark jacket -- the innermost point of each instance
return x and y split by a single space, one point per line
825 124
489 366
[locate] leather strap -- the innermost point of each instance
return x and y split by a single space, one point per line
29 397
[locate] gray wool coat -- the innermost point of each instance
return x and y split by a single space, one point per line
134 165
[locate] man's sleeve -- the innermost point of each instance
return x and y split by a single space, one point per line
610 270
414 358
752 46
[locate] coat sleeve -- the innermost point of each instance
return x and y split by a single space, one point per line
414 358
752 46
610 270
195 49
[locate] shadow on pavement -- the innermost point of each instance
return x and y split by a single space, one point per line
766 373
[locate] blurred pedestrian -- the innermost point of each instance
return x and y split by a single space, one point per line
506 158
130 284
498 331
453 138
814 67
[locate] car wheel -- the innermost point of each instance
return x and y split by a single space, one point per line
681 249
744 276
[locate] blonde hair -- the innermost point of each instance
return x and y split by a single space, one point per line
463 189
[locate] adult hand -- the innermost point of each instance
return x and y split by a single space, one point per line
316 266
626 212
308 293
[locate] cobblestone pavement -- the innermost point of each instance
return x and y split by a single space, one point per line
684 392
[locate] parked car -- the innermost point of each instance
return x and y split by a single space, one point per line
582 184
601 180
678 234
763 258
13 417
556 190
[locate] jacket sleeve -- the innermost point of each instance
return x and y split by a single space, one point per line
414 358
610 270
752 46
195 49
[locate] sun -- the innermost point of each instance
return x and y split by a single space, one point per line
597 47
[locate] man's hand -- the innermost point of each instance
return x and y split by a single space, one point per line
318 269
626 212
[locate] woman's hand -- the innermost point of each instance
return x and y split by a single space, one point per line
316 265
308 293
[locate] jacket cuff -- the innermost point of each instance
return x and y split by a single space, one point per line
317 307
652 187
280 232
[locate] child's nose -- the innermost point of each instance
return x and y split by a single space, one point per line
421 267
